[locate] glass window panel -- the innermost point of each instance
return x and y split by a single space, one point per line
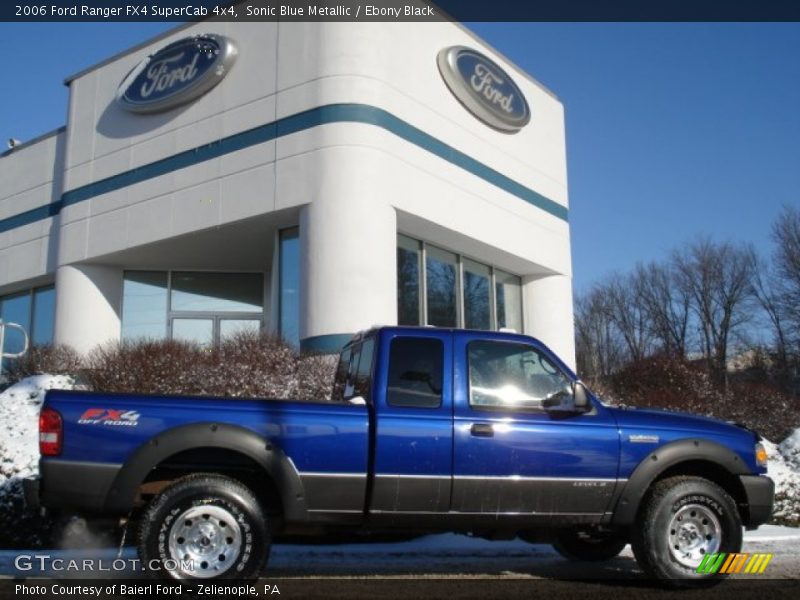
513 376
289 285
144 305
477 296
217 292
415 373
341 375
44 315
440 272
364 373
16 309
198 331
231 327
408 281
509 300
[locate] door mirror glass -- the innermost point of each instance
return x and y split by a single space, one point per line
581 396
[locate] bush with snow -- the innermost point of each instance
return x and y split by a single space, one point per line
246 365
19 457
676 384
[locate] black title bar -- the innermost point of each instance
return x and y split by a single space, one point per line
400 10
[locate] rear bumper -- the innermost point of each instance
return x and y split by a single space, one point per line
760 492
30 488
75 485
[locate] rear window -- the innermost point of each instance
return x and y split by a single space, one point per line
415 372
354 372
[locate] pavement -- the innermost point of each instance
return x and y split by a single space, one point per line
445 566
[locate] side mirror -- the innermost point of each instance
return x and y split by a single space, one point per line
581 397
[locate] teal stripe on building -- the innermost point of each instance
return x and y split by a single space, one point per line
332 113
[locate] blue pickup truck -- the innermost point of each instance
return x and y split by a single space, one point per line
428 430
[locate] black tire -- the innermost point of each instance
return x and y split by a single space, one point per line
576 544
212 522
683 519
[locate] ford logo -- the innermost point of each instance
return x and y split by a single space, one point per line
484 88
176 74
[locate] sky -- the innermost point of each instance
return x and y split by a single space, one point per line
674 131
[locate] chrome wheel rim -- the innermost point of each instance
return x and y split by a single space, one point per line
205 541
694 531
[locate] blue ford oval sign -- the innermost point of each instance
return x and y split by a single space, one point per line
176 74
484 88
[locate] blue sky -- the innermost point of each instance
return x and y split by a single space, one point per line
673 130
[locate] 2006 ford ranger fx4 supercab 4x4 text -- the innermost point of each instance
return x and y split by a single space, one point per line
428 430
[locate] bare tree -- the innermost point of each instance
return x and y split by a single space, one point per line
768 290
717 279
598 347
667 306
625 309
786 234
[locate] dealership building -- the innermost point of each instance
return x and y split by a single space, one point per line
308 179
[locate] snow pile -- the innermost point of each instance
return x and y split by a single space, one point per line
19 452
784 469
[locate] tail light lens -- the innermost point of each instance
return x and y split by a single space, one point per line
51 432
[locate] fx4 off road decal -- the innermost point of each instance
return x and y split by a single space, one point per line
724 562
109 417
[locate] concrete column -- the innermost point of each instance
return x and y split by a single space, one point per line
88 305
548 313
348 258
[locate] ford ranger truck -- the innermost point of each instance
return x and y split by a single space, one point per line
428 430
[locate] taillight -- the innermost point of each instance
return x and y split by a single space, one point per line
51 432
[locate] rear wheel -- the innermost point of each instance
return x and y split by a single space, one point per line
204 527
683 520
586 545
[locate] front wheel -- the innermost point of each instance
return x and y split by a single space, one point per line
595 546
204 527
683 520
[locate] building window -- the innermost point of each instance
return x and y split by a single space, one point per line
509 300
441 269
43 320
477 295
217 292
193 306
145 304
289 285
32 309
437 287
409 258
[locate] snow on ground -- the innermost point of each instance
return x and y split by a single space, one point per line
19 424
784 469
19 456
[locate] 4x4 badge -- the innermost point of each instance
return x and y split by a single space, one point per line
643 439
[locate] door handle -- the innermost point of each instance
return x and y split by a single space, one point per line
482 430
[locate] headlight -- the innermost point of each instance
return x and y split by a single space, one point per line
761 455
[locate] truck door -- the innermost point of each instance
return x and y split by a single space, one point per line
413 427
512 454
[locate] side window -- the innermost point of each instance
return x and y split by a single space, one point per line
363 374
340 380
513 376
415 372
354 372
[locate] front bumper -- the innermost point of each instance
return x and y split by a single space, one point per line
760 493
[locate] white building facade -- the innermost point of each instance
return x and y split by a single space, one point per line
309 179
